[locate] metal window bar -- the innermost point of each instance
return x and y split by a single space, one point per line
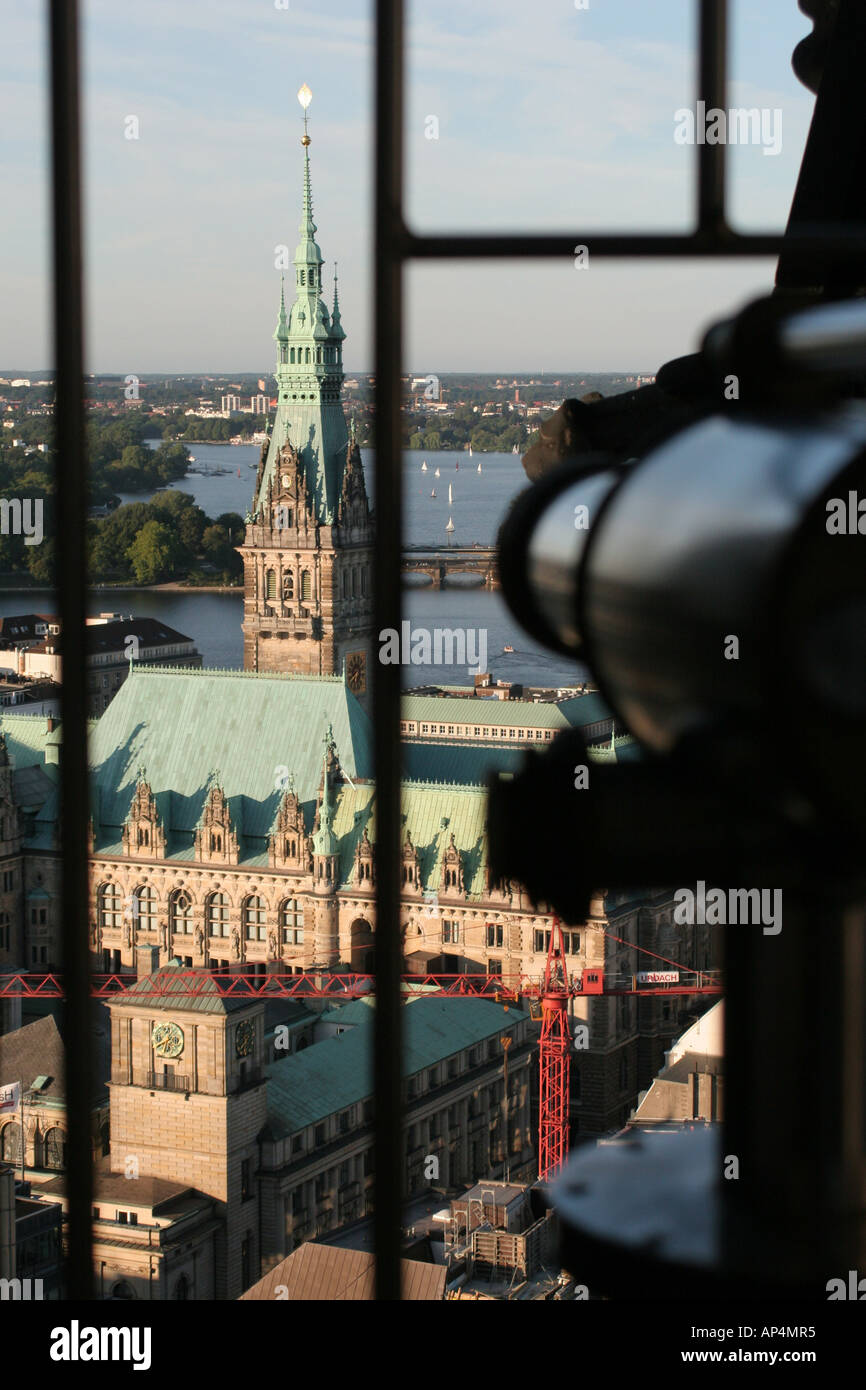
811 229
395 244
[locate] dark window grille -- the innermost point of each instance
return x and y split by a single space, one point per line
395 245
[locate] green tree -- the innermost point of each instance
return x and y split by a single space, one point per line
154 553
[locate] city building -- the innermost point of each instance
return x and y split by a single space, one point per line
31 1059
690 1086
30 1242
259 405
230 404
31 647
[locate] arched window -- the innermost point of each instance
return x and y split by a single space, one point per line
307 357
345 583
110 908
292 922
288 585
216 842
122 1289
54 1148
363 581
217 915
255 919
180 912
290 848
181 1289
354 582
292 355
271 584
146 902
306 586
10 1144
143 836
303 275
318 354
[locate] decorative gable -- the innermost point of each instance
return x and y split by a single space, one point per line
451 880
411 867
289 846
365 867
143 834
216 841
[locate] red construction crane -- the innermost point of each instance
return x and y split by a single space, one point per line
553 992
554 1060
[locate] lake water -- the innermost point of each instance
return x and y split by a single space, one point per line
479 501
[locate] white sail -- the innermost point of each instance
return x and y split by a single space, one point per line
436 474
450 526
479 468
424 466
450 495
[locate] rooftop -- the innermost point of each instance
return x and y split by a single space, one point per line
328 1272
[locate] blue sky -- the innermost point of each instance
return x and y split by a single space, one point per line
550 117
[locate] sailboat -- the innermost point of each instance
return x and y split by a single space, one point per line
450 497
436 474
424 466
433 493
479 468
457 464
239 472
515 450
450 527
470 450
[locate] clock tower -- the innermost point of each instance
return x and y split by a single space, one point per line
308 546
188 1104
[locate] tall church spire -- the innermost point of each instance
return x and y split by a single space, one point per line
308 543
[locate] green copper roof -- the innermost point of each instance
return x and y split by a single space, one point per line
174 995
179 725
26 737
432 813
524 714
329 1076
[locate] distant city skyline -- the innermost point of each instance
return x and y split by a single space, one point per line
554 119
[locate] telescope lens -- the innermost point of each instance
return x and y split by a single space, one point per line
541 547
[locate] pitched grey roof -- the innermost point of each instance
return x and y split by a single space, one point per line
36 1049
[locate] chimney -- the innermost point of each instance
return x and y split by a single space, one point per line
49 724
146 961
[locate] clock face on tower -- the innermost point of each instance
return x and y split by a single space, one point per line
167 1040
245 1036
285 480
356 672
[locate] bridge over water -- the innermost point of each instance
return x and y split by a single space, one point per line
441 562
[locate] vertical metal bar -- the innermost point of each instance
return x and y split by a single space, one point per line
71 514
712 91
388 318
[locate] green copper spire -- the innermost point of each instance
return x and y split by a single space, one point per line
281 332
336 323
309 373
324 840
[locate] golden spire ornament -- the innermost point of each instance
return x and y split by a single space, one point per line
305 96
